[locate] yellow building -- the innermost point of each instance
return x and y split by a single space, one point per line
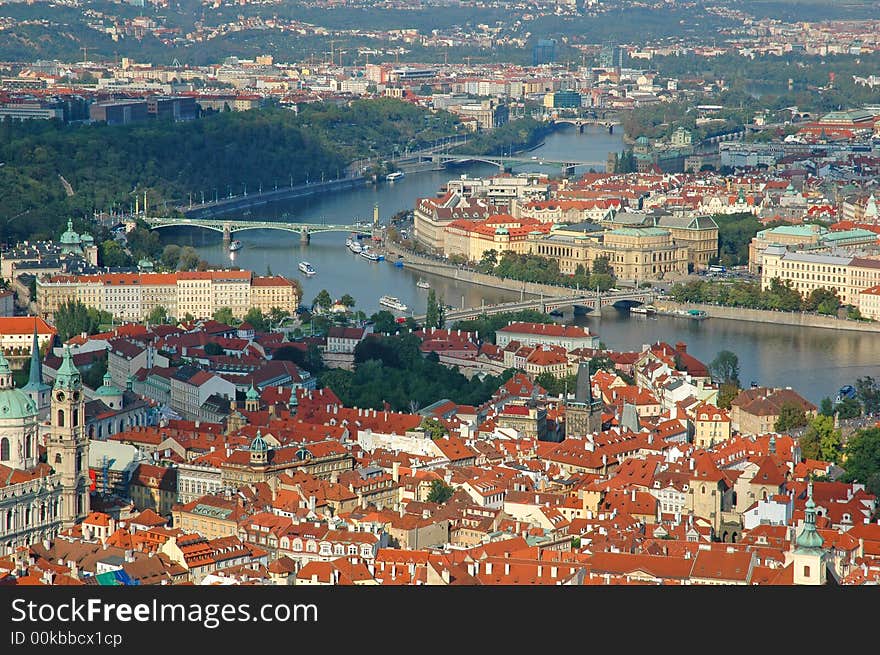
711 426
698 233
132 296
500 233
806 272
644 253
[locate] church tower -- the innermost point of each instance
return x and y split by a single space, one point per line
584 415
252 400
68 446
809 556
38 391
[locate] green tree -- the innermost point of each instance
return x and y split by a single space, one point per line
488 261
73 318
725 368
347 300
213 349
94 372
601 265
726 393
323 300
157 315
432 315
188 259
440 492
384 322
224 315
170 256
821 440
826 407
849 408
791 416
255 317
868 393
111 254
862 462
433 428
276 315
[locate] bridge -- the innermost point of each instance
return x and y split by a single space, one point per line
501 162
581 123
231 226
589 300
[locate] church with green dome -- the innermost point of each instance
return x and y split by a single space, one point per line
38 499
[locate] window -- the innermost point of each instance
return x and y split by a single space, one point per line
4 449
60 418
806 571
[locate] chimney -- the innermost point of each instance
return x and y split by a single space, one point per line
506 568
488 568
395 471
129 555
633 495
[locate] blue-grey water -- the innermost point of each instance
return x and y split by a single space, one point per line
815 362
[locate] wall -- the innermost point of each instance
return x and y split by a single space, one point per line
780 318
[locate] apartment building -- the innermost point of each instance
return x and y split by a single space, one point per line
132 296
806 271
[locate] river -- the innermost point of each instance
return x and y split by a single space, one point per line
816 362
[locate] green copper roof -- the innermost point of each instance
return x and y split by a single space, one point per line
70 237
35 378
107 389
252 394
259 445
68 376
809 538
14 403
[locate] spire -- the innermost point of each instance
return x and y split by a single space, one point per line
35 379
583 392
772 444
629 418
809 539
68 376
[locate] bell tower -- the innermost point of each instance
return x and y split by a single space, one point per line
67 447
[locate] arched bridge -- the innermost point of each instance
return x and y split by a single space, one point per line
580 123
587 300
231 226
501 162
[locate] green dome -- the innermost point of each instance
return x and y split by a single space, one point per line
809 538
70 237
259 445
252 394
15 404
107 389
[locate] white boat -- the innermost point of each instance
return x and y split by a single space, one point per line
355 246
235 245
366 253
307 268
348 242
422 284
396 175
393 303
642 309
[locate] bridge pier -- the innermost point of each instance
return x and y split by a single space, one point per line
227 233
304 236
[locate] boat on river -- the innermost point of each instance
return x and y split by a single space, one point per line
393 303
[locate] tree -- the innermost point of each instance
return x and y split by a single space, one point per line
601 265
255 317
384 322
347 300
93 374
213 349
157 315
726 394
791 416
170 256
868 393
440 492
849 408
432 314
863 459
821 440
112 254
826 407
188 259
488 261
323 300
433 428
72 318
725 368
224 315
276 315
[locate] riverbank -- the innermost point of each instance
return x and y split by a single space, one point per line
226 205
800 319
441 268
